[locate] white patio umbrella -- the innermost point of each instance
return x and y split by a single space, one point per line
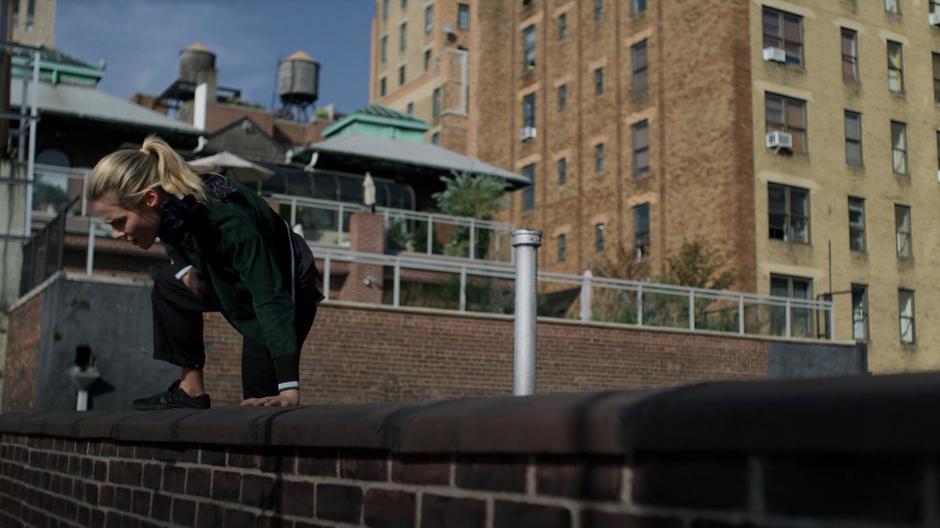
241 169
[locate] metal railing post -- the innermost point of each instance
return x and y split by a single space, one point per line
741 314
832 321
293 212
463 289
691 309
31 158
430 233
90 255
639 305
473 239
339 226
525 244
396 284
787 319
326 276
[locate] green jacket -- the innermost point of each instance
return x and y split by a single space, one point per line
242 248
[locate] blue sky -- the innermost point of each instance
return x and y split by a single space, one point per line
141 40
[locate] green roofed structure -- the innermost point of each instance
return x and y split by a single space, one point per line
390 144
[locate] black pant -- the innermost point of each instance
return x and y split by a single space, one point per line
177 328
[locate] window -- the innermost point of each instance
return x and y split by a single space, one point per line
933 6
891 6
641 148
936 77
401 75
856 224
598 10
436 138
906 316
785 31
528 195
599 81
429 19
641 230
895 67
410 109
562 26
902 228
463 17
599 159
384 9
562 171
404 4
639 7
561 248
528 110
849 55
640 67
788 210
383 48
436 103
528 48
786 114
402 36
562 97
938 151
599 237
427 59
16 13
801 318
853 138
899 148
382 87
860 312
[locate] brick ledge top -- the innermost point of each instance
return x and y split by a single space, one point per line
863 413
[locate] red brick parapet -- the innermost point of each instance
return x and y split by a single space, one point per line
827 453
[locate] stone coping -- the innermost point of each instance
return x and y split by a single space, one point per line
895 413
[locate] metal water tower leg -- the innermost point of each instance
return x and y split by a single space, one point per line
525 244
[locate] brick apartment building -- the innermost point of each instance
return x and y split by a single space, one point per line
643 124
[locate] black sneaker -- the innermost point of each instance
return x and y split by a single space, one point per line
173 398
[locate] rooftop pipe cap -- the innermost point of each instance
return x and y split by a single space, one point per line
526 237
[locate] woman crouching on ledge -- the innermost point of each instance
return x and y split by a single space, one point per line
230 253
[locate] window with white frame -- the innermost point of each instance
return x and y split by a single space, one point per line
640 67
856 224
528 111
639 7
463 17
893 7
903 231
899 148
860 312
429 19
528 195
906 316
895 67
801 317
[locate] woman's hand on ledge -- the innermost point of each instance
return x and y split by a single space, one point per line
287 398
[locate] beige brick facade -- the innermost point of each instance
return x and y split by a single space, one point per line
709 168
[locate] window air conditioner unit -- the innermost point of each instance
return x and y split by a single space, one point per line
775 55
938 176
779 140
934 19
527 133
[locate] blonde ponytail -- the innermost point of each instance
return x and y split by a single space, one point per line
130 172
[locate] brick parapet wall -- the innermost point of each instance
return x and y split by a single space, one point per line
20 367
359 353
692 457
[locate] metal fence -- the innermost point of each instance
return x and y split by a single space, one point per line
489 287
43 253
326 223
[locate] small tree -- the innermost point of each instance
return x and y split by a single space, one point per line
700 266
475 195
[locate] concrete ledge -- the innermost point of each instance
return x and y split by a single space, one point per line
855 414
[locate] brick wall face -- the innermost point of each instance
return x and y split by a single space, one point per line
19 390
56 481
358 354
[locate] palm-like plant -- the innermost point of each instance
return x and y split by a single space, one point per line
474 195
